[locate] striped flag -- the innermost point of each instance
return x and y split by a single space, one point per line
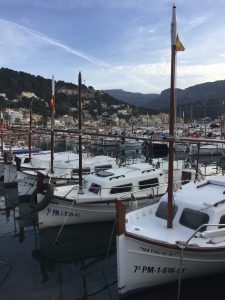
52 104
179 45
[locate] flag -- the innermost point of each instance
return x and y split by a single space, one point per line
179 45
52 104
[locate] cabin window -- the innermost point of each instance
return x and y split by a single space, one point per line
193 219
162 210
104 167
145 184
85 171
222 221
121 189
26 160
95 188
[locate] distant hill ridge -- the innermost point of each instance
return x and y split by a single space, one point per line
203 98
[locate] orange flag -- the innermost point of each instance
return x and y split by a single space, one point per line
179 45
52 104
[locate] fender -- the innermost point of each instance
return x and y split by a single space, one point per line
48 195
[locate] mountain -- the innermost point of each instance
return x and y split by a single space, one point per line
137 99
199 100
17 89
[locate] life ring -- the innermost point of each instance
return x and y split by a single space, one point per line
48 195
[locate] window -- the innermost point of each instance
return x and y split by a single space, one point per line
104 167
121 189
85 171
26 160
144 184
162 210
193 219
95 188
222 221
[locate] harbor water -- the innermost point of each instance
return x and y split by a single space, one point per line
79 261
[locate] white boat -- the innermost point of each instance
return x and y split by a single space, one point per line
64 172
180 237
206 149
96 202
150 254
39 161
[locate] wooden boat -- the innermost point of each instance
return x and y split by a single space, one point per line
149 253
96 201
65 172
182 236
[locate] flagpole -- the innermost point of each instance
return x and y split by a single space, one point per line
172 119
52 123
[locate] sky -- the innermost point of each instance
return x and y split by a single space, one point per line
115 44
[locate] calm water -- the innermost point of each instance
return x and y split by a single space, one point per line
77 262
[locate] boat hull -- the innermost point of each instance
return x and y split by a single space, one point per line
143 265
59 212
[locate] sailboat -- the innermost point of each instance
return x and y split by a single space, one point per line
180 237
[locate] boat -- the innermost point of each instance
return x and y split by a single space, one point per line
206 149
65 172
94 201
39 161
149 253
180 237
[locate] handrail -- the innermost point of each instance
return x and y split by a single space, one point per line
200 227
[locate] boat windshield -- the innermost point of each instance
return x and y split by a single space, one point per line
95 188
193 219
162 210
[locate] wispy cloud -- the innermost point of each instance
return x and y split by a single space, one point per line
45 39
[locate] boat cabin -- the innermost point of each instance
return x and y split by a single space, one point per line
128 179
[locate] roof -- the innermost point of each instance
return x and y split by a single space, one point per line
134 171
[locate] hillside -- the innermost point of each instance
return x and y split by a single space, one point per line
206 98
17 89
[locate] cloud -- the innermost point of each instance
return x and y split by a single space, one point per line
19 36
153 78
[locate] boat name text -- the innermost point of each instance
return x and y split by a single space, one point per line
148 269
61 213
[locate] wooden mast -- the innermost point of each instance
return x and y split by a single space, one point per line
2 139
172 119
30 131
52 123
80 191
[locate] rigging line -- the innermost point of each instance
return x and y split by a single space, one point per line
111 237
64 221
180 274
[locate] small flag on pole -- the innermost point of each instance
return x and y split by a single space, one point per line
179 45
52 104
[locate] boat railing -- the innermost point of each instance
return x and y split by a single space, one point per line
207 233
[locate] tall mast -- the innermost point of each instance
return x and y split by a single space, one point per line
52 123
30 131
2 140
172 119
10 136
80 191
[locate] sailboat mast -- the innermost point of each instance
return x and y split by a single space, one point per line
172 119
52 123
30 131
80 191
2 139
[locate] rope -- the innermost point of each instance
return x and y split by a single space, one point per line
180 276
111 237
64 221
